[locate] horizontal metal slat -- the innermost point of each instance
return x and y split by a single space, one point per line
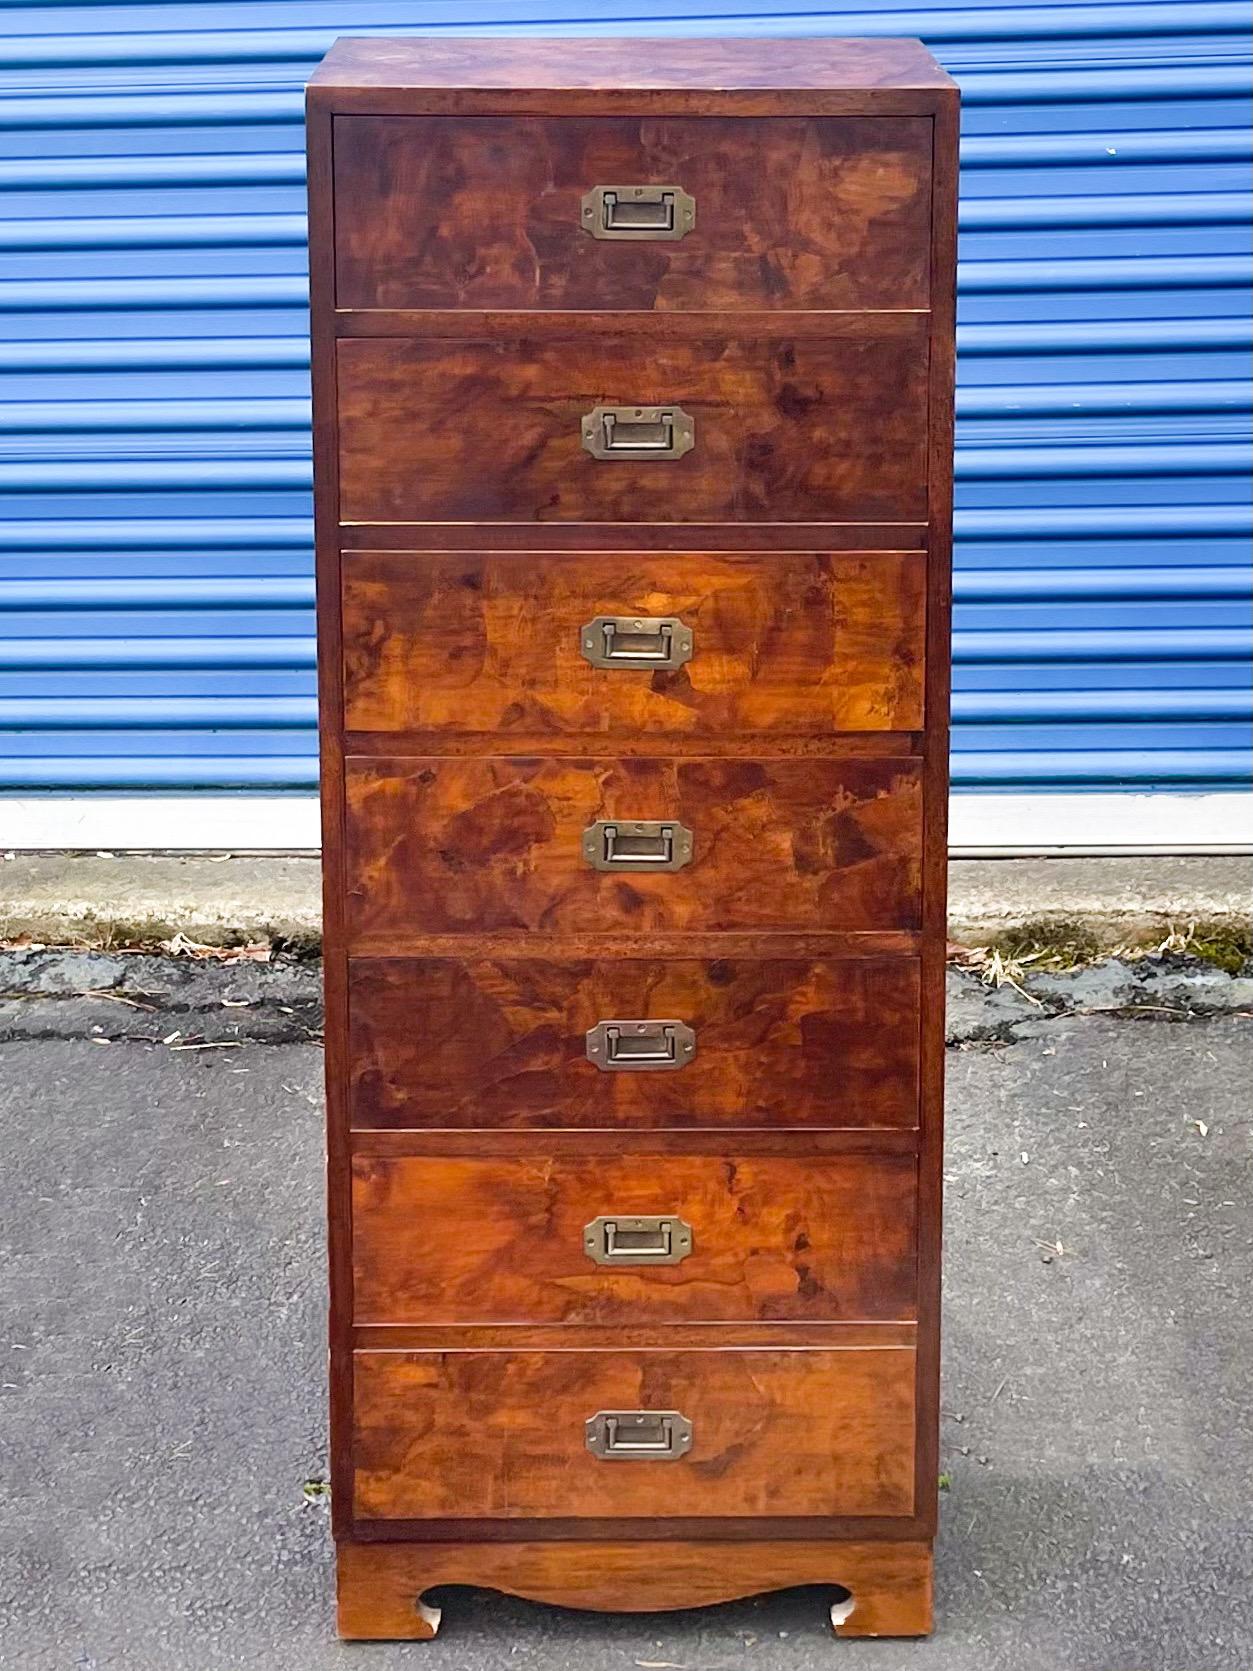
952 24
984 400
1077 706
270 231
247 471
1115 272
282 230
153 294
86 417
1195 208
297 592
1104 522
1140 766
123 652
1099 336
191 353
1103 336
156 533
168 713
1096 644
287 168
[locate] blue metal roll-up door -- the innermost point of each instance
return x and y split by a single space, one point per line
155 551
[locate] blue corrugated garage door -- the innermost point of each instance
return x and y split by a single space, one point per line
155 565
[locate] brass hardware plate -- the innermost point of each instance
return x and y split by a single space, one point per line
639 433
636 641
632 213
638 1435
640 1046
653 1240
648 844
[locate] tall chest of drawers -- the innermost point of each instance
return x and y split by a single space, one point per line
633 411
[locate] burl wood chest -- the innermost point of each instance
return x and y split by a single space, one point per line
633 395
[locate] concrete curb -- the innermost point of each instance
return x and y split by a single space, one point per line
107 900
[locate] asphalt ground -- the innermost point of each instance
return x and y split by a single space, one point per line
162 1372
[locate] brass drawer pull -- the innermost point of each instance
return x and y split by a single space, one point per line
651 844
628 641
638 1435
640 1046
657 213
638 432
654 1240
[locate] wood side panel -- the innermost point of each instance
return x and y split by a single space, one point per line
486 212
832 429
936 793
502 1241
501 1434
889 1580
491 844
501 1043
331 780
804 643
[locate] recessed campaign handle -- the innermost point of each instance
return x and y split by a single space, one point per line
638 1435
656 1239
645 844
638 433
636 641
640 1046
653 213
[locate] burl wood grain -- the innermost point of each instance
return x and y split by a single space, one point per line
466 1240
803 429
485 212
807 643
444 845
381 1584
500 1042
500 1435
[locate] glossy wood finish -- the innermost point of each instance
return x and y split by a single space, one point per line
381 1584
501 1434
477 845
802 643
831 429
484 212
775 386
783 1043
773 1238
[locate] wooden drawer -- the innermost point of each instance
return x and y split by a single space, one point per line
451 846
444 1239
501 1434
807 643
502 1042
486 212
802 429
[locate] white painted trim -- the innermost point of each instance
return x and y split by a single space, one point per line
995 826
160 823
979 825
